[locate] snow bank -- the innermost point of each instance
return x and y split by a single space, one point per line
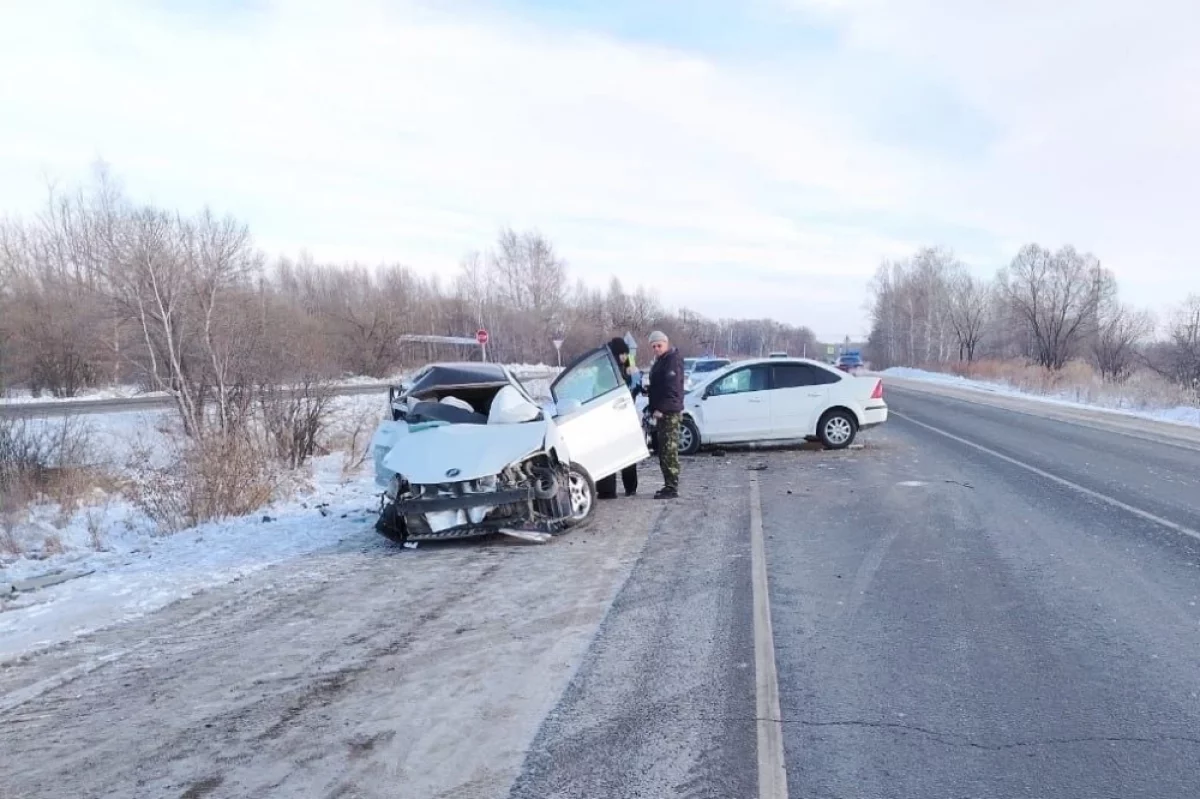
138 572
134 570
1179 414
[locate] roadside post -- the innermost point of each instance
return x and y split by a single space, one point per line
481 336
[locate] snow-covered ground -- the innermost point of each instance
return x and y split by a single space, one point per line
1179 414
132 568
137 571
23 396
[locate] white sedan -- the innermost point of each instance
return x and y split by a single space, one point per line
780 399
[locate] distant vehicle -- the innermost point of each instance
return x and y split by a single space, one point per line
700 367
774 399
777 355
850 361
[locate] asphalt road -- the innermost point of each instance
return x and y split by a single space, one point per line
947 623
979 603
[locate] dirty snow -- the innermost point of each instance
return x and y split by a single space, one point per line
130 570
137 571
1183 415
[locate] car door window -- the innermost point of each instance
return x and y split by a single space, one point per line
742 381
792 375
592 377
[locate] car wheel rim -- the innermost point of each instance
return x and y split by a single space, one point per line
685 439
581 498
837 430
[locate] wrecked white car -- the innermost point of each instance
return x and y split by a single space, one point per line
468 452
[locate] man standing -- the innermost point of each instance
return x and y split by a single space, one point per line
666 405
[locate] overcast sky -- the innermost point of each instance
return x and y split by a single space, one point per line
745 158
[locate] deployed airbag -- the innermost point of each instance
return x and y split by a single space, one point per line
509 407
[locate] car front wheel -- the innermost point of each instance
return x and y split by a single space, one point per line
689 437
837 429
582 492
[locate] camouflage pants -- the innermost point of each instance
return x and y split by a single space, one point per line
668 448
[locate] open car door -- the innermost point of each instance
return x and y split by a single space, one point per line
596 417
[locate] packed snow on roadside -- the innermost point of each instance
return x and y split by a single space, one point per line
1182 414
129 568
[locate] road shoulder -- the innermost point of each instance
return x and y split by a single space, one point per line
1111 421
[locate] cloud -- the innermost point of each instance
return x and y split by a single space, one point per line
734 182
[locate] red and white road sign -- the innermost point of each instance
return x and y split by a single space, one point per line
481 336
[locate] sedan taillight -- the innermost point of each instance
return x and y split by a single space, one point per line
878 392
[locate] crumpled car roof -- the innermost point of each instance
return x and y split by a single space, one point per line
455 375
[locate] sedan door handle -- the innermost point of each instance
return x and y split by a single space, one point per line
621 404
756 402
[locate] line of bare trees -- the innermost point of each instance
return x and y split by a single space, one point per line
97 289
1047 307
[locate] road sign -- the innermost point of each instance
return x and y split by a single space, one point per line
481 336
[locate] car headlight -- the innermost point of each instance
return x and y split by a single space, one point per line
393 489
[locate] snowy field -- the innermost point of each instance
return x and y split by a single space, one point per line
1178 414
130 568
23 396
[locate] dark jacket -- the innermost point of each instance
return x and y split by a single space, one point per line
618 347
666 383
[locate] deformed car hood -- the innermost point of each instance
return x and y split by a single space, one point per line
474 450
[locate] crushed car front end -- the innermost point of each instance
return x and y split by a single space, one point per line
467 452
530 493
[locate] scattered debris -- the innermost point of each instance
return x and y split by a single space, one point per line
527 535
958 483
267 519
757 467
410 545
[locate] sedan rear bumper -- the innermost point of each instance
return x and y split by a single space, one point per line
873 416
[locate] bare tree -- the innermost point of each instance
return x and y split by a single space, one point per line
1120 330
1178 358
1057 296
970 306
911 314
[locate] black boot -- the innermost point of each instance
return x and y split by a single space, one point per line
666 492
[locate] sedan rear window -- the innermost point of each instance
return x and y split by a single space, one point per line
796 375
